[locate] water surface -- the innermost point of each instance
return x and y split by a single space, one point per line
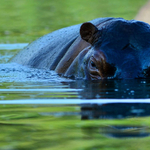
41 110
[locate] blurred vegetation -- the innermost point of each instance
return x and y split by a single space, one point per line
24 21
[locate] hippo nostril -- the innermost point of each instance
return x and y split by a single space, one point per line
129 45
125 46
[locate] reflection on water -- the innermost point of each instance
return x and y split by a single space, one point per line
115 110
138 88
126 131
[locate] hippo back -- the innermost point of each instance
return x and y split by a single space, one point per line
47 51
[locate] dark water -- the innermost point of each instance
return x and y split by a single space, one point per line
40 110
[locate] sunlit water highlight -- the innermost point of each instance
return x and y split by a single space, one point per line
76 101
13 46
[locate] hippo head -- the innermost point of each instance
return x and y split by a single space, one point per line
119 49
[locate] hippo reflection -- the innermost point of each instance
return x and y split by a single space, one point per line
103 48
117 111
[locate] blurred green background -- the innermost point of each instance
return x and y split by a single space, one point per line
26 20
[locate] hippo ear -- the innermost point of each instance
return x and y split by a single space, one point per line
88 32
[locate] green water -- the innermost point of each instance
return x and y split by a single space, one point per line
40 127
57 126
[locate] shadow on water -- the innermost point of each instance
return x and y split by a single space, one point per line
111 90
116 89
118 111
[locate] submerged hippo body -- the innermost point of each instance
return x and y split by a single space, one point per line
103 48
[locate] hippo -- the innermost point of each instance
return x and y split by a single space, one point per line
104 48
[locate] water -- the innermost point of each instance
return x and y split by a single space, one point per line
41 110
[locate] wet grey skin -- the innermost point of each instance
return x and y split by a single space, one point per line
104 48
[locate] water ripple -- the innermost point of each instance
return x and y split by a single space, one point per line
74 101
13 46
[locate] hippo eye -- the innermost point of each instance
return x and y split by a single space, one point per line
93 64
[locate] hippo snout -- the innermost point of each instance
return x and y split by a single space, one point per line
103 48
99 68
